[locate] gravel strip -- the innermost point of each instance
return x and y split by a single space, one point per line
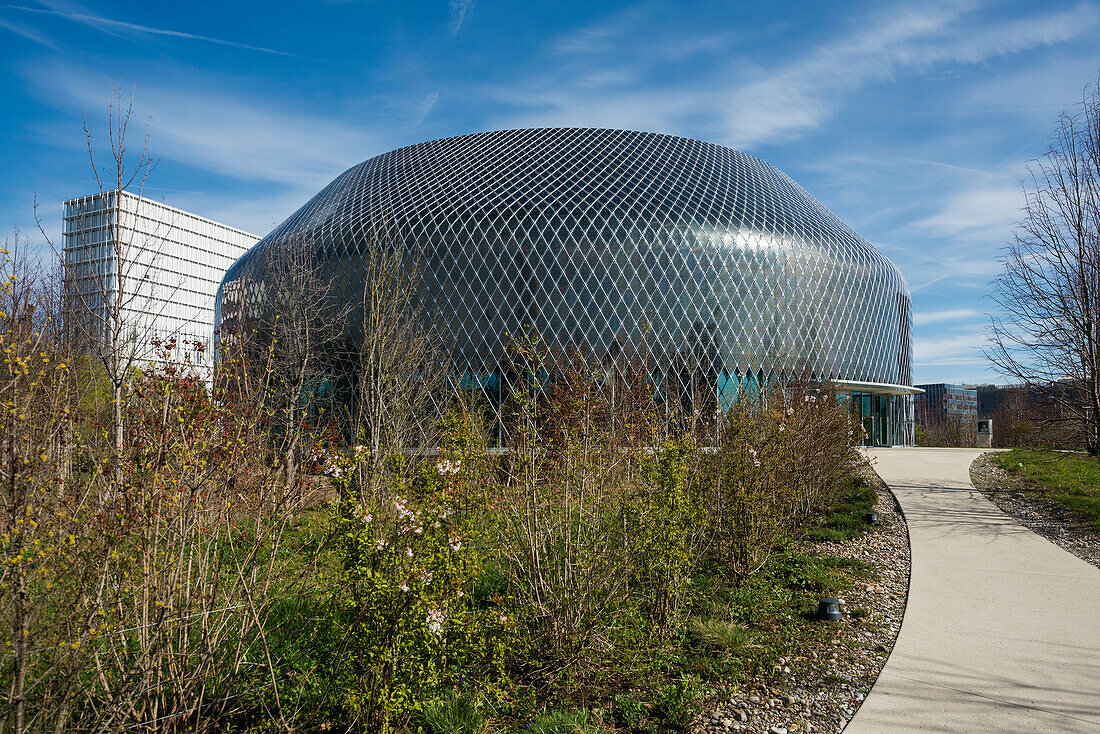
821 687
1020 501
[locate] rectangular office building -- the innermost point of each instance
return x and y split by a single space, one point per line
138 270
945 403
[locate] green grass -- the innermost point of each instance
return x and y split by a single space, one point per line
719 634
458 713
844 519
1069 480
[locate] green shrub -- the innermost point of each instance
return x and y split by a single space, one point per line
593 524
628 711
677 703
403 607
664 525
806 573
778 462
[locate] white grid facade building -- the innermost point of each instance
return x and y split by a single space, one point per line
160 266
706 264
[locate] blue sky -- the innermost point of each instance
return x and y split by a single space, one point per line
913 122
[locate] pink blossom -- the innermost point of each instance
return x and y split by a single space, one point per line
435 621
449 467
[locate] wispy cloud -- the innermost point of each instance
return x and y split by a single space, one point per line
100 22
956 349
254 141
602 36
929 283
981 212
955 314
27 32
426 107
929 265
908 40
459 10
744 105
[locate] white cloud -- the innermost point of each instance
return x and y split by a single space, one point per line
220 131
928 264
255 212
459 10
604 72
983 212
426 107
955 349
274 155
955 314
912 40
616 38
1037 91
27 32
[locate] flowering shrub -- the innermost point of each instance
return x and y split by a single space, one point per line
404 603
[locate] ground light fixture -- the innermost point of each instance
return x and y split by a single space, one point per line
829 609
871 518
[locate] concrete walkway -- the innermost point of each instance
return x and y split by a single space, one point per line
1002 628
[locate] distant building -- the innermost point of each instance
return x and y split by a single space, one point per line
160 267
944 403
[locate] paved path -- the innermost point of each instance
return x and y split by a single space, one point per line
1002 628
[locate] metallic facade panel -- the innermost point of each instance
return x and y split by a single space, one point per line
618 243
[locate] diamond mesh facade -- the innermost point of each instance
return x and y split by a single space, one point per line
618 243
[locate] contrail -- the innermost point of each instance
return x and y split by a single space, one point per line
110 22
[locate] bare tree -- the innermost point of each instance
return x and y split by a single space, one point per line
400 368
295 331
1049 288
28 386
155 616
108 281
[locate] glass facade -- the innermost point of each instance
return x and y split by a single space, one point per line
945 402
625 245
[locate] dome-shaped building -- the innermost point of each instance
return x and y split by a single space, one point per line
620 243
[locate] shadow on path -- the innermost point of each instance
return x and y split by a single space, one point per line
1002 628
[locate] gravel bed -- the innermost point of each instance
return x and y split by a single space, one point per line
821 686
1020 501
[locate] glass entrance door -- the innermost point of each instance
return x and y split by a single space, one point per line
873 412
